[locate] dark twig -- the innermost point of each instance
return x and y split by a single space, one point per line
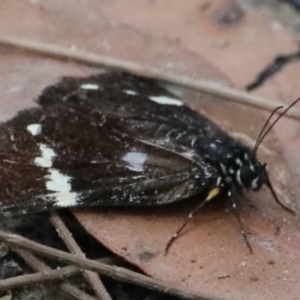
29 279
66 287
117 273
92 277
38 265
88 58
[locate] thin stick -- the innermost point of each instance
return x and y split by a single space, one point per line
92 277
38 265
36 278
117 273
87 58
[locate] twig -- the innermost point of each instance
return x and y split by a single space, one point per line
66 287
92 277
117 273
29 279
207 87
38 265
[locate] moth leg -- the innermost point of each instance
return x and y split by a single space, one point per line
211 194
238 217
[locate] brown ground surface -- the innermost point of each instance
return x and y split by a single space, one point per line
231 41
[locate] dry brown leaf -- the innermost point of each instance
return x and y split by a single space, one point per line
210 256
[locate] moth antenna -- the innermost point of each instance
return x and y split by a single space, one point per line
212 194
264 127
272 125
269 185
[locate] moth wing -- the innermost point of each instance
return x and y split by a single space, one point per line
67 155
153 111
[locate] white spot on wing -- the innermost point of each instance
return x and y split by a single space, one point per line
34 129
166 100
135 160
55 181
60 183
130 92
47 155
90 86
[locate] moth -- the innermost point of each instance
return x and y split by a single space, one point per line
116 139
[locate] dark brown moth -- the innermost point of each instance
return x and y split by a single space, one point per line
116 139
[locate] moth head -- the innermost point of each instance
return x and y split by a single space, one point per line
252 175
263 175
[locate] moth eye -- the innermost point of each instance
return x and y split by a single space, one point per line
246 175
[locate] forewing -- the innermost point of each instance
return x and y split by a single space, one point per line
72 154
154 113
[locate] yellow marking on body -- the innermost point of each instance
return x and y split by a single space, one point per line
213 193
